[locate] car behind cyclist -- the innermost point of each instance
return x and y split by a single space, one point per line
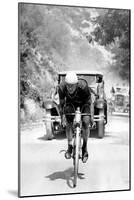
75 93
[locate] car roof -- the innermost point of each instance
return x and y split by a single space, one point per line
121 93
83 72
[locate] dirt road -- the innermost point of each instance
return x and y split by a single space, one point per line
44 170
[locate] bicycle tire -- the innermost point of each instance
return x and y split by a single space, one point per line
76 155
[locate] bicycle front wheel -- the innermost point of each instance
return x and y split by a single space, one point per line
76 155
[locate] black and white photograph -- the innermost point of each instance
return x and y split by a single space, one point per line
74 99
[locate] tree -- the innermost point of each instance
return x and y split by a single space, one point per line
113 31
41 35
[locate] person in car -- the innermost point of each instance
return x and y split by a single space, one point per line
75 93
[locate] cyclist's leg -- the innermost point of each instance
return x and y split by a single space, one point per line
85 131
69 129
69 132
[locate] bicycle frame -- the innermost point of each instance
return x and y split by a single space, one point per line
77 141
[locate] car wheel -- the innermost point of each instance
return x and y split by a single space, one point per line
48 125
101 125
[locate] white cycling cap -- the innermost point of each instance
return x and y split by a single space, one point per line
71 78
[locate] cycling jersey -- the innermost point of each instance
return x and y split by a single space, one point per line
81 96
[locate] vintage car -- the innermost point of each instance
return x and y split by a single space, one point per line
95 81
120 100
121 103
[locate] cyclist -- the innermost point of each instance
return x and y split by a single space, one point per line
75 93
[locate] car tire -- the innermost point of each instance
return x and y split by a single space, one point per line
48 125
101 125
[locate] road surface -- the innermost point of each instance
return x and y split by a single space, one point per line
45 171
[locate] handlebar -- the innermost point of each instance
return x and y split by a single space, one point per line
78 115
82 114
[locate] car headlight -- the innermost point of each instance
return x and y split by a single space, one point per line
100 103
48 104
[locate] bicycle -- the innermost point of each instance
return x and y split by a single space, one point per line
77 141
77 137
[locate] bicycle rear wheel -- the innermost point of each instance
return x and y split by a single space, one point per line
76 155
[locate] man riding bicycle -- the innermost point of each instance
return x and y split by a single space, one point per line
75 93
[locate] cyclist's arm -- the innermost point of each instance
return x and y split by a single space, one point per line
92 111
61 98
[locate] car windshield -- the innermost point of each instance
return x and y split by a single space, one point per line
119 100
91 79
